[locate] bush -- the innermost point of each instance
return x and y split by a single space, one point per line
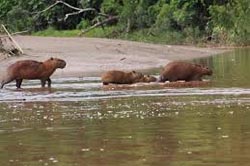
231 22
18 19
83 24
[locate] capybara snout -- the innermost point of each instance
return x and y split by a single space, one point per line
148 79
208 71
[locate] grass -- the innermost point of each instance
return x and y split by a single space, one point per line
97 32
114 32
57 33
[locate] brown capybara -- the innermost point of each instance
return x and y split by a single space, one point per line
147 79
29 69
175 71
120 77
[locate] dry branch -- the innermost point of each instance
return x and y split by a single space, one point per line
16 33
111 18
12 39
78 10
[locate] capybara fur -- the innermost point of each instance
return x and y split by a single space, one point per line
120 77
30 69
148 79
175 71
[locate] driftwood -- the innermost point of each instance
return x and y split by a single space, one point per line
17 46
16 33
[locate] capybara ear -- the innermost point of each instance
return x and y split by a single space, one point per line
51 58
133 71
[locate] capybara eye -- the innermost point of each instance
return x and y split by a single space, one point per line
51 58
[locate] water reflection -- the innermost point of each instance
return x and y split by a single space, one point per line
231 69
79 123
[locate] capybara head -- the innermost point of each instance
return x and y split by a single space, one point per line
135 75
204 70
148 78
58 63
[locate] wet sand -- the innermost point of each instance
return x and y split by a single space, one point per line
92 56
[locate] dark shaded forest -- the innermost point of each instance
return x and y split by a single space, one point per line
186 21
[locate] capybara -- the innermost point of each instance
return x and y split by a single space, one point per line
30 69
120 77
147 79
175 71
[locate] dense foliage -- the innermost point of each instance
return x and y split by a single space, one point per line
221 21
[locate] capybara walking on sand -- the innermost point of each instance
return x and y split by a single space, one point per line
29 69
175 71
120 77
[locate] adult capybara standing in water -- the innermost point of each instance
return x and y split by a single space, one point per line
29 69
175 71
120 77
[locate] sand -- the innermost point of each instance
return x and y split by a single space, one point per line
93 56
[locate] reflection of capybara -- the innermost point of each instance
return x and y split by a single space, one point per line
174 71
147 79
120 77
29 69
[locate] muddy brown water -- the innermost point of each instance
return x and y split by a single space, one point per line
77 122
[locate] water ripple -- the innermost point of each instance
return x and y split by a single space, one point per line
80 89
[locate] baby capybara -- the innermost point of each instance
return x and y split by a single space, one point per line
175 71
30 69
147 79
120 77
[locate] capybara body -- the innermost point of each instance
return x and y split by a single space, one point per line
30 69
175 71
120 77
147 79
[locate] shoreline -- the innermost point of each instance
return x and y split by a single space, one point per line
93 56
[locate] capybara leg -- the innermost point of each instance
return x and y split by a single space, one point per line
173 80
49 82
18 83
162 79
6 81
105 83
196 78
43 82
2 84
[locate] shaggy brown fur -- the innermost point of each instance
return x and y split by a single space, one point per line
120 77
148 79
29 69
175 71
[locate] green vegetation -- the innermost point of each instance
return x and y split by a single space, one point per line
163 21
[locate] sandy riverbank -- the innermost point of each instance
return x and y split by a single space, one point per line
92 56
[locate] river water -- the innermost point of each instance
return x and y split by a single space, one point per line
79 122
